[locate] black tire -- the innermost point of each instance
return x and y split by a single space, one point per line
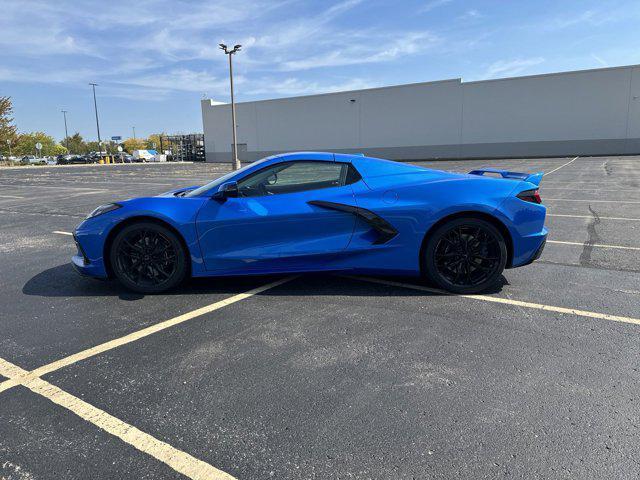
465 255
148 258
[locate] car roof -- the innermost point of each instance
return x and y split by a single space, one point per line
323 156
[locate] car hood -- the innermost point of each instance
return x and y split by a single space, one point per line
176 191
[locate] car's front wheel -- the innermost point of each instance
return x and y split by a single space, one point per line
147 257
465 255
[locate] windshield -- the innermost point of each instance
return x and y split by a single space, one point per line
217 182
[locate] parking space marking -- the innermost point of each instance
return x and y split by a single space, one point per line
178 460
137 335
35 185
506 301
591 217
588 201
10 196
595 189
556 169
91 192
600 245
59 232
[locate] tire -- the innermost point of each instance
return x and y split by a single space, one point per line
148 258
465 255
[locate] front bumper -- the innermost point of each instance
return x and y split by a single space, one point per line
84 263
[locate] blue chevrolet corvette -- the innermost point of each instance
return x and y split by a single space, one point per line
308 211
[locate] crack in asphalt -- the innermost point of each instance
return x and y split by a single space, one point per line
593 238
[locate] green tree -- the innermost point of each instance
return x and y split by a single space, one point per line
93 147
76 144
153 142
59 149
131 144
110 147
7 128
26 144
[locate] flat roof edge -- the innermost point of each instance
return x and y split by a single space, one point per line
213 103
342 92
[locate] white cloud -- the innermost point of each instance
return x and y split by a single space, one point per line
595 17
471 15
600 60
182 79
376 50
165 46
295 86
508 68
427 7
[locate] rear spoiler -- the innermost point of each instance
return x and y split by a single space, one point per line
534 178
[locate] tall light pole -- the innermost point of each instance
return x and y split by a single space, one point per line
66 132
9 143
134 132
236 48
95 106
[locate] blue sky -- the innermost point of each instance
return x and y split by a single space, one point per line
155 59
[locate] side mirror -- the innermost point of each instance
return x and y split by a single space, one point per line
226 190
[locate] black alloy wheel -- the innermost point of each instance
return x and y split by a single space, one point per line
466 255
148 258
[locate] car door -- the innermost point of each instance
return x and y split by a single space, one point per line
271 226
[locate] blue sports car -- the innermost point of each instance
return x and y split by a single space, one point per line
308 211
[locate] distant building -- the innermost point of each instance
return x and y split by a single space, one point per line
589 112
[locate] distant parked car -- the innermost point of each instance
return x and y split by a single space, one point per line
31 160
71 159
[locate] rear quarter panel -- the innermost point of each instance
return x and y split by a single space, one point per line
413 202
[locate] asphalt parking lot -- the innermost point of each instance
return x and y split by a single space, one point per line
321 376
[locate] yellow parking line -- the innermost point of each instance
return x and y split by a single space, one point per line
132 337
180 461
59 232
597 245
507 301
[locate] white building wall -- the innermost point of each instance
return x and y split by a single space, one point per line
586 112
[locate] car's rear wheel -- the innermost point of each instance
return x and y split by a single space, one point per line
148 258
465 255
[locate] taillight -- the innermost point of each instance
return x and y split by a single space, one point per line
530 196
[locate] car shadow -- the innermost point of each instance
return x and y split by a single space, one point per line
63 281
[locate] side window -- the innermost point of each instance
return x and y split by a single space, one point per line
291 177
352 175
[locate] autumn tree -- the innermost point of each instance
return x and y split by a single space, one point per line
131 144
7 128
153 141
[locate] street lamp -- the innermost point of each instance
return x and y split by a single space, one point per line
236 48
134 132
95 106
9 143
66 132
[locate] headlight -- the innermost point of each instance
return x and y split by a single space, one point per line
109 207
